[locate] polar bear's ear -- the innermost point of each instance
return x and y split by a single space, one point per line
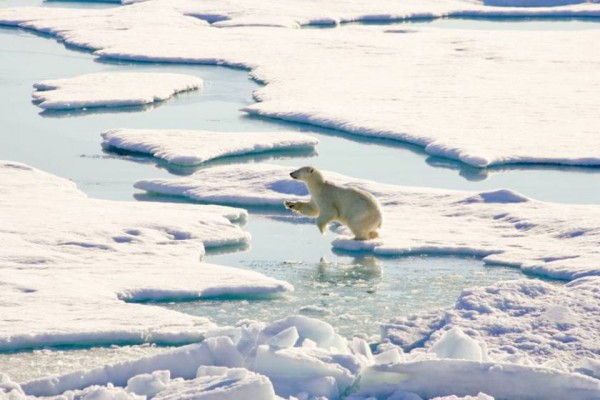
312 170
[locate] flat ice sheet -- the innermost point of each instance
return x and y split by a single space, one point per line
185 147
69 265
503 227
111 90
481 97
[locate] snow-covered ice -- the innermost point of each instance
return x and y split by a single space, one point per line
503 227
184 147
443 377
111 90
69 256
239 361
481 97
525 321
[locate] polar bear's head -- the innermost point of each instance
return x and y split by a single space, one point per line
307 174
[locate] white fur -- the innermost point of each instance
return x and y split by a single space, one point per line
357 209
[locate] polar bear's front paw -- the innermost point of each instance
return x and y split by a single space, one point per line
291 205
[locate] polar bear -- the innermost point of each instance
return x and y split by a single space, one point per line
355 208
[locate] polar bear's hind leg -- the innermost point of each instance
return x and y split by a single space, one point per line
366 228
373 235
361 233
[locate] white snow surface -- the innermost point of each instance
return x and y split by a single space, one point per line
111 90
237 362
524 321
481 97
554 240
69 265
185 147
445 377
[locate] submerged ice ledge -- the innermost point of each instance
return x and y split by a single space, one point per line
66 256
111 90
189 148
503 227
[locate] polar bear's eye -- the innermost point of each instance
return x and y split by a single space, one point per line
312 170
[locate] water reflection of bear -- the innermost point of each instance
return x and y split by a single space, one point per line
364 269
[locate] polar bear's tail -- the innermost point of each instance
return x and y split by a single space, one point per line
373 235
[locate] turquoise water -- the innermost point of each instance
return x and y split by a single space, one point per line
353 293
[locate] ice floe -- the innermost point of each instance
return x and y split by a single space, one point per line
524 321
111 90
315 363
184 147
70 266
502 227
452 92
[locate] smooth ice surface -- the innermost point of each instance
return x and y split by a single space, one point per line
236 361
520 321
409 78
502 227
111 90
184 147
67 255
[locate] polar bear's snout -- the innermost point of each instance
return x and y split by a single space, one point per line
305 174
